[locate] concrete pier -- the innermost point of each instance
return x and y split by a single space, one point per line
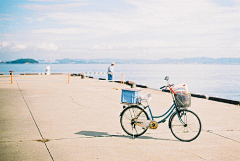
42 117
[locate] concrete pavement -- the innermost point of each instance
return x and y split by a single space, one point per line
45 118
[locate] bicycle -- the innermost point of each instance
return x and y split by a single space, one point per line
184 124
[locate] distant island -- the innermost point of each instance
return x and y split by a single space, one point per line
198 60
21 61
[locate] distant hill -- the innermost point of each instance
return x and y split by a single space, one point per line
198 60
23 61
201 60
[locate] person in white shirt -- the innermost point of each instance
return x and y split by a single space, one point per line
110 71
48 70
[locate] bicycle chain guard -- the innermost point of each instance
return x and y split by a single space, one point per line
146 123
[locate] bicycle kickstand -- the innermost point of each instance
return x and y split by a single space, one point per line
133 132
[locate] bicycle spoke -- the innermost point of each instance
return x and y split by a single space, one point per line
128 117
126 121
135 129
187 131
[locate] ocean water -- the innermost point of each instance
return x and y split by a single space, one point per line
213 80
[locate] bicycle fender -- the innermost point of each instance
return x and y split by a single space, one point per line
121 113
170 119
127 108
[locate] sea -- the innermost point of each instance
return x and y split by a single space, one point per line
221 81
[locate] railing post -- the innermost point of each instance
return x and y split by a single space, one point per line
122 81
68 78
11 73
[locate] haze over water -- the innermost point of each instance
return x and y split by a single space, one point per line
213 80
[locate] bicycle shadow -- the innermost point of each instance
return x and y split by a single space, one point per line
91 134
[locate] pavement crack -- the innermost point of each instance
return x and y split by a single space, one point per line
77 103
183 151
211 132
34 120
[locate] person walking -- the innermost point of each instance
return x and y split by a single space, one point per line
110 71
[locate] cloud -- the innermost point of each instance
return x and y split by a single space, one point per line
57 0
156 26
46 47
58 7
29 19
155 18
71 30
6 17
37 19
5 44
146 18
44 0
13 47
201 27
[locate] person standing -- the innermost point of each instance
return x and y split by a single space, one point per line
110 71
48 70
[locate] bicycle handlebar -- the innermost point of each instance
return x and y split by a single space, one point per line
166 86
163 87
169 86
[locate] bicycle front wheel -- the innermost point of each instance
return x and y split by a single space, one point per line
127 120
185 127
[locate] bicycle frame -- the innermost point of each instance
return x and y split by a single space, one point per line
167 114
170 110
184 124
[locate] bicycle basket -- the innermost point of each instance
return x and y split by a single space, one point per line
182 97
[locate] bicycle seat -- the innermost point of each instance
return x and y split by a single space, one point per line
147 97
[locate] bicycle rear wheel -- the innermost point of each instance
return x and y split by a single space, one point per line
187 130
129 125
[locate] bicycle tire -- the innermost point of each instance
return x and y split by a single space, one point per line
190 130
126 120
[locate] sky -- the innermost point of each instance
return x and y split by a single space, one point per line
119 29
